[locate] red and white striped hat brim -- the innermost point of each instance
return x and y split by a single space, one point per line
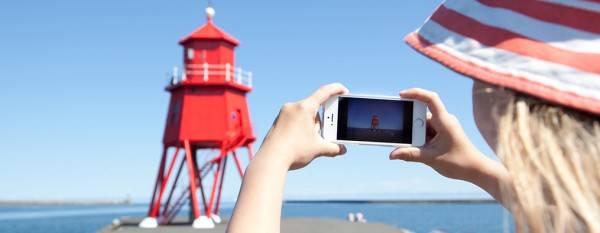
549 49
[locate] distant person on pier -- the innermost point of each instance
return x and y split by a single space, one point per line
360 218
536 101
351 217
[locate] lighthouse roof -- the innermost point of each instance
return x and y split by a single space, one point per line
211 32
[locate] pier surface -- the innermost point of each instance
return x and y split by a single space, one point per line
288 225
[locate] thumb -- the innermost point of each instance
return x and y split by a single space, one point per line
410 154
332 149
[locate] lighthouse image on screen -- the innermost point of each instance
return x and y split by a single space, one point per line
375 120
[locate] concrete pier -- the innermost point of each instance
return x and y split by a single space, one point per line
288 225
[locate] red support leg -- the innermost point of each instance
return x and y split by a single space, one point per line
166 207
214 188
239 165
193 187
203 196
165 180
221 185
155 204
202 192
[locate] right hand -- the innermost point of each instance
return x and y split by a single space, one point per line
448 150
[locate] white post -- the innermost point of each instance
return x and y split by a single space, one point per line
184 73
250 79
205 71
239 75
227 70
174 75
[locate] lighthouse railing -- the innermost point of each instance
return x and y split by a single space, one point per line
213 72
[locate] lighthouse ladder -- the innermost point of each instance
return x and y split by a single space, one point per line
171 211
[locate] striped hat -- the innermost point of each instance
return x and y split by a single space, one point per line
549 49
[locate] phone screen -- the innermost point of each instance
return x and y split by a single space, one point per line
375 120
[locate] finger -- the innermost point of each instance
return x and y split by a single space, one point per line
410 154
429 130
435 104
332 149
325 92
318 120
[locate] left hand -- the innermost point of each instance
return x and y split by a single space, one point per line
294 135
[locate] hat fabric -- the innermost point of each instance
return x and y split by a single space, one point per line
548 49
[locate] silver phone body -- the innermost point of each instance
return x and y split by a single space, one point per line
374 120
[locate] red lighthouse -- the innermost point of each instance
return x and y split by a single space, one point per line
207 121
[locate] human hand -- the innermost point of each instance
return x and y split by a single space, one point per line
294 136
447 150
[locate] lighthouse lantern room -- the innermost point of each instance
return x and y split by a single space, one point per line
207 122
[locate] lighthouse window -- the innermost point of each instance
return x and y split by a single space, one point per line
233 115
175 112
190 53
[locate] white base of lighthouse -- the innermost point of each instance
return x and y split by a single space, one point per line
148 223
216 218
203 222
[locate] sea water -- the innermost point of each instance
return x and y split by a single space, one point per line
426 218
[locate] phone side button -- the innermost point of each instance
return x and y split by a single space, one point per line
419 122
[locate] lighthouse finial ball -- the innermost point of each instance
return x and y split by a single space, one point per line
210 12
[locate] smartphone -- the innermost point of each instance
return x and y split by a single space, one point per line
374 120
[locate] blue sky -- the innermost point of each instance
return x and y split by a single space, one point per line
84 106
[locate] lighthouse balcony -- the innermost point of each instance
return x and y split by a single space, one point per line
212 74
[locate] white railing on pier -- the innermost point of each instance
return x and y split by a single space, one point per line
211 72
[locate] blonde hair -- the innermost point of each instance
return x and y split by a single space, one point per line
553 156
